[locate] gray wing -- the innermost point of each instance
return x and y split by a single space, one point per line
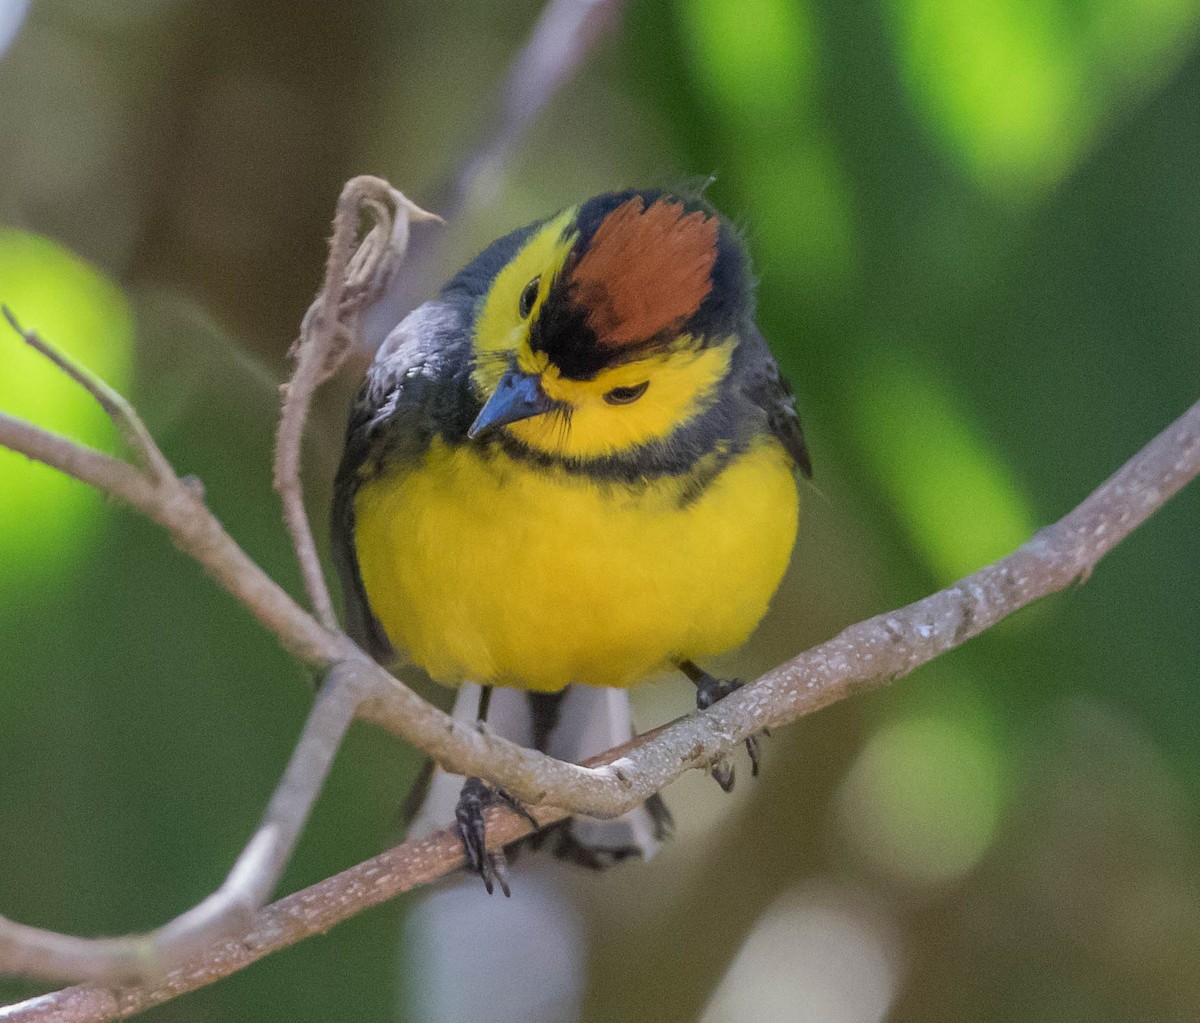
394 417
768 389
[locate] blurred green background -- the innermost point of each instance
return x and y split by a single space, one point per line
977 232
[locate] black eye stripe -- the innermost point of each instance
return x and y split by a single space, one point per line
626 395
528 297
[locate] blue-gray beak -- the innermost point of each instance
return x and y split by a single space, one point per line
518 396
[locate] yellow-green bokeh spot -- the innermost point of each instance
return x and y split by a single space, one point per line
923 800
956 497
45 518
755 57
1018 89
754 64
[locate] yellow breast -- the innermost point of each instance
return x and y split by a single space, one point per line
482 569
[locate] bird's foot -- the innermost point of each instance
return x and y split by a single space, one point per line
709 690
475 798
660 817
569 848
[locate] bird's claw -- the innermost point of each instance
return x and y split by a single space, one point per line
722 773
709 690
491 865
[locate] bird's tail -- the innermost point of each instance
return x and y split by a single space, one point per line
572 725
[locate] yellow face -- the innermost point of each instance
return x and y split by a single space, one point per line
621 407
501 330
625 406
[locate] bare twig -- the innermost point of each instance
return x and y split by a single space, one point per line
178 508
35 952
158 491
307 913
565 33
354 276
114 405
304 914
864 656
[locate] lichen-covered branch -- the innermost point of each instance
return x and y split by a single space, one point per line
304 914
864 656
871 653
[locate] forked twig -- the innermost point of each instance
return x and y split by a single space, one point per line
34 952
131 427
180 510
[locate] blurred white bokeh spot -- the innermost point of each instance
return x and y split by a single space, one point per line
817 955
469 956
922 801
12 13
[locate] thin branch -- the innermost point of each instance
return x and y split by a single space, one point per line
157 490
565 33
863 657
34 952
354 276
177 506
304 914
114 404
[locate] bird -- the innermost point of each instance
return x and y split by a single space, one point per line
573 470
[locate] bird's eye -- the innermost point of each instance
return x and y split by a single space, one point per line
528 297
626 395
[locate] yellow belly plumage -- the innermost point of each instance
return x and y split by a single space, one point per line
483 569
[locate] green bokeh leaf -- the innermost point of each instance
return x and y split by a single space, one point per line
44 516
949 486
1018 90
